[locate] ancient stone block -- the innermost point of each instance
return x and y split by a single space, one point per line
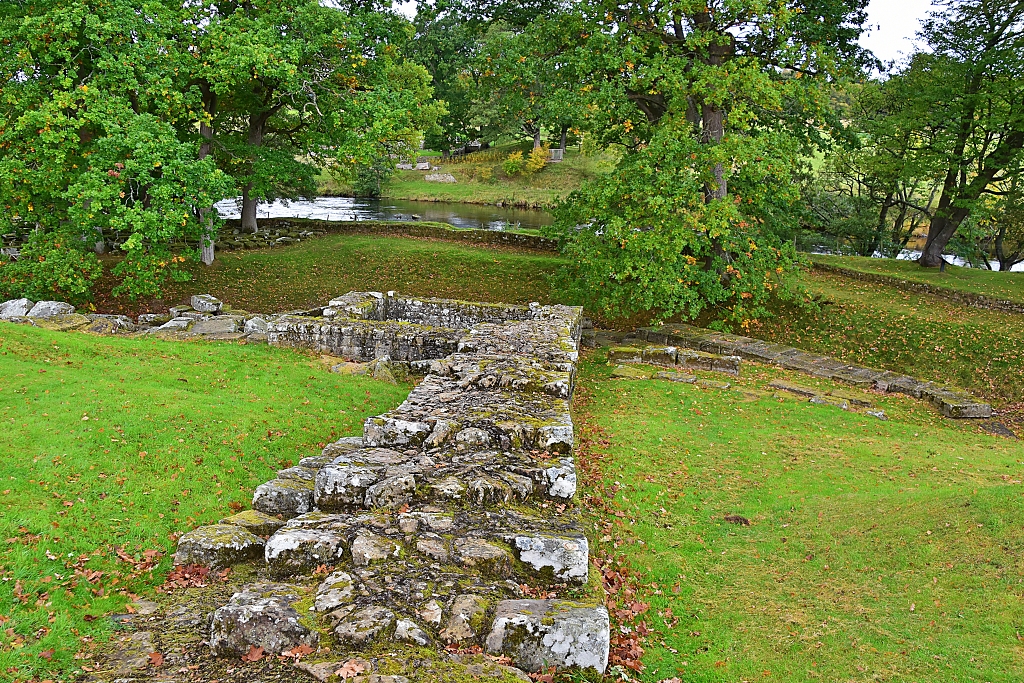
49 309
215 326
15 308
218 545
564 558
255 522
541 633
206 303
632 372
335 591
840 403
293 550
340 486
561 479
659 355
406 630
625 354
363 626
391 492
368 548
483 556
676 377
260 615
285 497
466 619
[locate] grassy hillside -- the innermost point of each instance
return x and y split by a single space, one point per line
875 550
112 446
1009 286
480 180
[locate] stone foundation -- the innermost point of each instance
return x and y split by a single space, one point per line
439 521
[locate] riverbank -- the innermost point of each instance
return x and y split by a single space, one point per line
479 179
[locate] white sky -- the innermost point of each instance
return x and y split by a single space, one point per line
891 25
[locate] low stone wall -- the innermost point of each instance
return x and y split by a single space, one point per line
965 298
438 525
410 228
950 402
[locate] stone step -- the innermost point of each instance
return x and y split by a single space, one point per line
674 357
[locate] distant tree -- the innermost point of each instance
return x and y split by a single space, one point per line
292 86
968 94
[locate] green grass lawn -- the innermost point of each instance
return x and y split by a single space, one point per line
1009 286
876 550
539 190
310 273
112 446
922 335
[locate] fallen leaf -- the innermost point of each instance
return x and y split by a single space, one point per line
352 667
254 654
156 659
46 654
298 652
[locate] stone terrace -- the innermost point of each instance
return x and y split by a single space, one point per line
447 519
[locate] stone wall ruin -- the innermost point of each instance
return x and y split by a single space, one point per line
445 520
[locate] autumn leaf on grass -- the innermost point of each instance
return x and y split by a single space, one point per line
156 659
254 654
298 652
47 654
352 667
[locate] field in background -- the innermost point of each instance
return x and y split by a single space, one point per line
875 550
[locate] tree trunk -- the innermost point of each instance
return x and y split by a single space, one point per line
536 138
876 240
206 130
713 119
256 124
248 209
565 134
940 231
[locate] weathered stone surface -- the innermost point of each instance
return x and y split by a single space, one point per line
298 550
659 355
842 404
255 522
335 591
15 308
483 556
260 615
368 548
363 626
399 433
434 548
625 354
440 178
215 326
406 630
255 325
49 309
173 325
466 619
340 486
632 372
565 558
561 479
541 633
712 384
345 444
391 492
206 303
62 322
150 319
109 324
285 497
300 473
431 612
218 545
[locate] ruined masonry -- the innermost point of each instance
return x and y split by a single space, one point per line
446 519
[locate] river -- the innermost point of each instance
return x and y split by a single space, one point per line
480 216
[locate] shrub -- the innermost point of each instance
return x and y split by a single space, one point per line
487 174
50 267
513 164
538 159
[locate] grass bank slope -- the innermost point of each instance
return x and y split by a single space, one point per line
923 335
111 446
1008 286
310 273
875 551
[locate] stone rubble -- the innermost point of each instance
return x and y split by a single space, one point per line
430 524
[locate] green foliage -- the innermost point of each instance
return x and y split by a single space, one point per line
89 106
644 239
537 160
372 177
513 164
50 267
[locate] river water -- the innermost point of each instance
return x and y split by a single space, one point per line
479 216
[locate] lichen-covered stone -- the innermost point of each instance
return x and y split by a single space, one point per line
566 558
297 550
260 615
341 485
368 548
387 432
363 626
215 326
62 322
391 492
561 479
255 325
286 497
541 633
50 309
466 619
483 556
833 401
435 548
676 377
206 303
15 308
255 522
218 545
659 355
110 324
625 354
632 372
406 630
335 591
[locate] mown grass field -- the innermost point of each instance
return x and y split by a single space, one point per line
1009 286
109 447
876 551
310 273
